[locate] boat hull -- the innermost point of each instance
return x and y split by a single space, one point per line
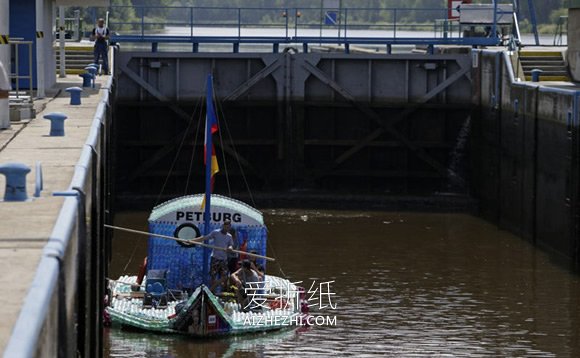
202 315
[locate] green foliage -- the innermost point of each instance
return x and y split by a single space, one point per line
269 12
556 14
125 15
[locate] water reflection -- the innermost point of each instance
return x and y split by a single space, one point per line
122 343
406 284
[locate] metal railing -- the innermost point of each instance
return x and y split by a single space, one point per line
292 25
446 28
58 316
561 30
72 26
16 45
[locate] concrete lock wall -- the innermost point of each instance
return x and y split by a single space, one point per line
330 122
315 121
528 157
573 54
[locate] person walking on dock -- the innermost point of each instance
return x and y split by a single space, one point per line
100 35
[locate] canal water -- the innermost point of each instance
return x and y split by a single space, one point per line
399 284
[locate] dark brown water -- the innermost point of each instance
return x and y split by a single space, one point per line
405 285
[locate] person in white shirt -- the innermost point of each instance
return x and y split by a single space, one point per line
219 258
100 35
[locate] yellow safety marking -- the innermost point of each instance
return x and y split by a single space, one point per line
72 71
78 48
4 40
551 78
540 53
39 34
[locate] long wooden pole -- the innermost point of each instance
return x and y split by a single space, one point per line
187 241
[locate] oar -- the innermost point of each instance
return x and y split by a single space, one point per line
187 241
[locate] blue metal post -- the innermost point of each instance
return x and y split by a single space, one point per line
534 21
142 22
208 150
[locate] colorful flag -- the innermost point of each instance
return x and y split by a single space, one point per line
214 163
211 120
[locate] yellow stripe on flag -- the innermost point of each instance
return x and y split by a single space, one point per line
215 168
214 165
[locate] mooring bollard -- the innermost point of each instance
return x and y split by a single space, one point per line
536 74
56 123
93 68
93 71
75 95
15 181
87 77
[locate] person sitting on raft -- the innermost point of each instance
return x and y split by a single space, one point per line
245 279
256 266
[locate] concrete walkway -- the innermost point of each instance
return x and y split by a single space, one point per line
26 226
